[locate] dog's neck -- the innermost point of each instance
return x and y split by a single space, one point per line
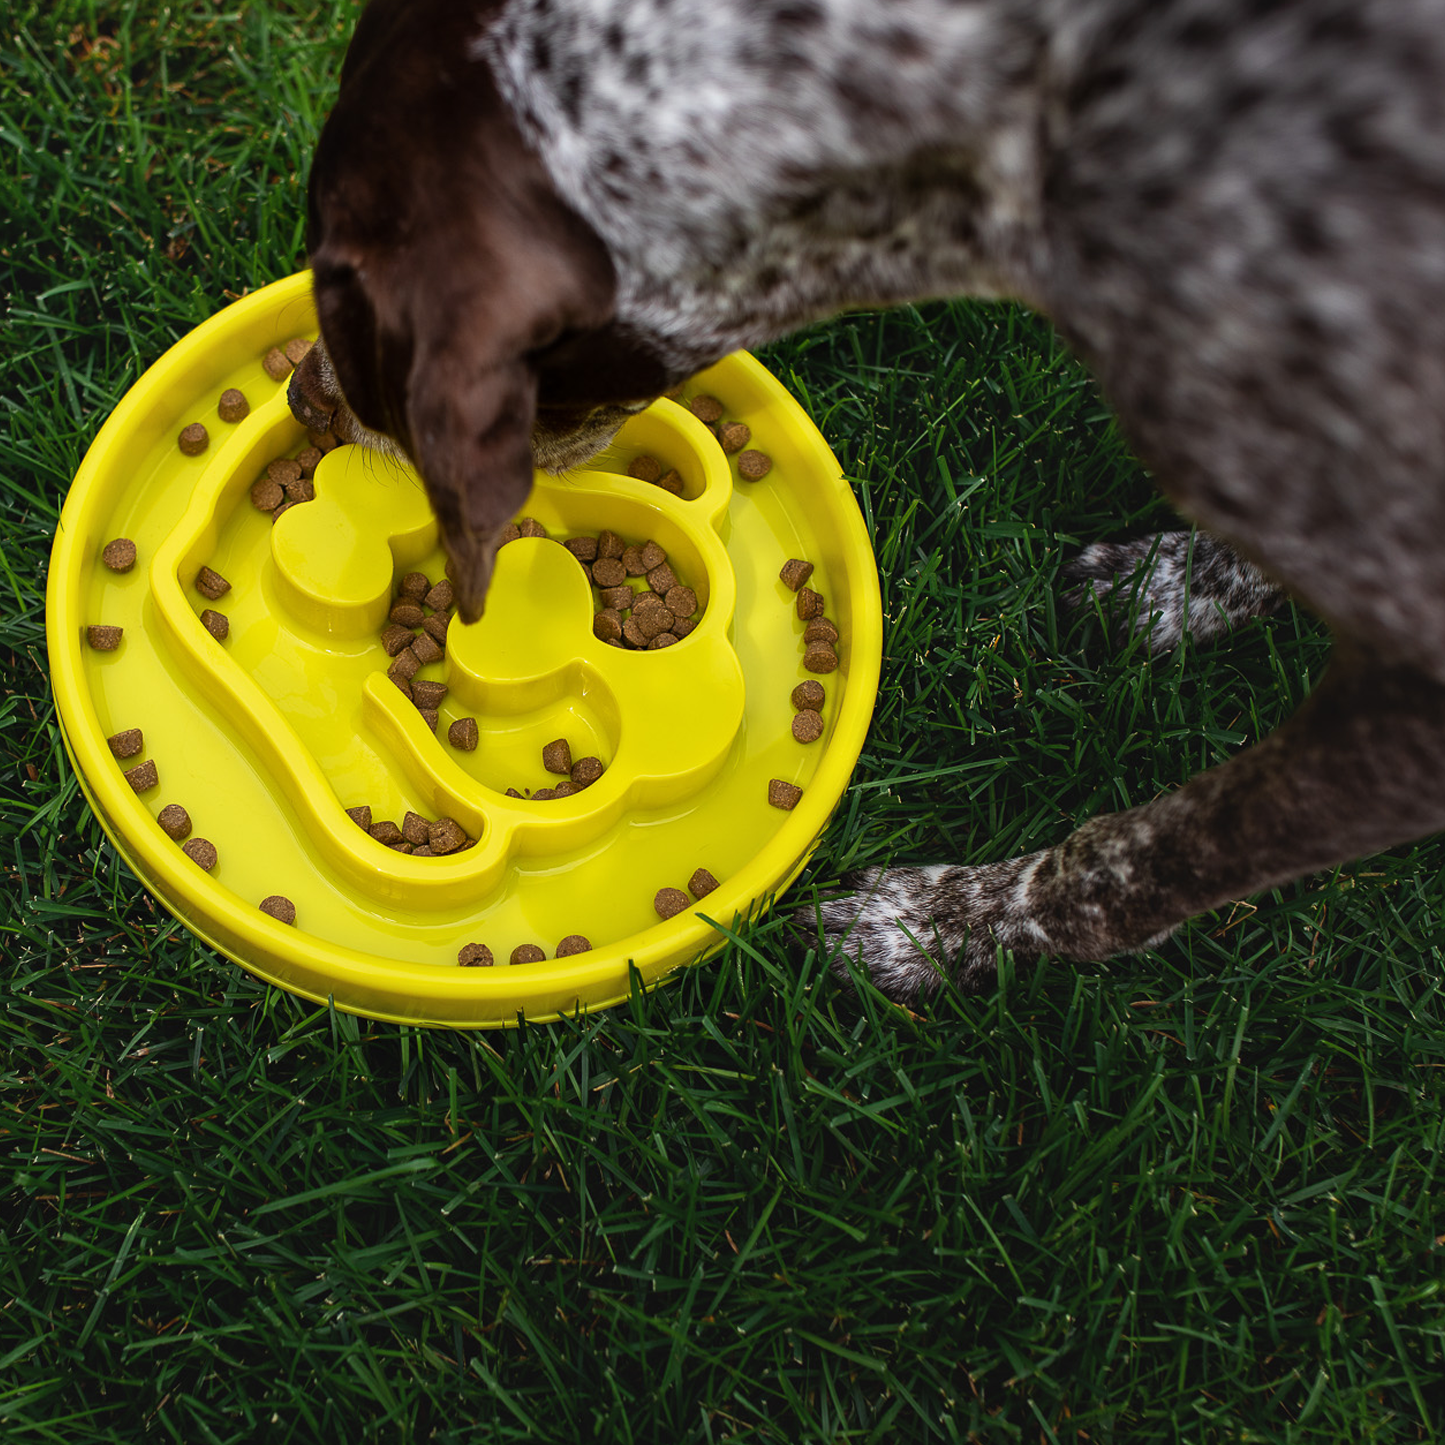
848 154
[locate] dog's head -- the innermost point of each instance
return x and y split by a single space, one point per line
466 313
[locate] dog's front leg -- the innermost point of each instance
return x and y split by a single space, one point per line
1360 767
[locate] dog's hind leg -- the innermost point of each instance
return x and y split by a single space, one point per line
1161 586
1360 767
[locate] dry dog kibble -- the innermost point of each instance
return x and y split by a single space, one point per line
557 756
399 683
296 350
645 468
233 405
422 852
530 527
810 604
509 533
282 909
607 625
565 789
415 585
652 622
211 584
119 555
807 726
734 436
618 599
701 883
308 459
402 847
608 572
707 409
632 633
284 470
275 364
609 544
753 466
463 734
126 744
795 572
323 441
663 639
281 511
428 694
395 638
386 832
783 795
573 943
267 495
415 829
631 560
544 795
819 657
429 715
104 638
809 694
193 440
662 579
216 623
445 836
404 665
436 626
584 549
441 597
301 490
652 556
175 821
427 649
528 953
201 852
671 481
669 902
408 614
682 626
361 816
819 629
681 601
475 955
586 771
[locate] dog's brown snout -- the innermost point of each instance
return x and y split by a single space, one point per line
308 395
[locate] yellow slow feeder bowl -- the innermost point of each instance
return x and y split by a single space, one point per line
268 737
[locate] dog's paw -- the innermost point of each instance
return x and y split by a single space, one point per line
915 928
1162 586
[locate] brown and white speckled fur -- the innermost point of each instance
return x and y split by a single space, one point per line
545 210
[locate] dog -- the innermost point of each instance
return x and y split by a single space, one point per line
527 218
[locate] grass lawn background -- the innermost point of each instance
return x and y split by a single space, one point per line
1191 1195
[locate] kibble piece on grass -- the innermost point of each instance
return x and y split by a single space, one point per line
706 408
193 440
607 625
701 883
428 694
795 572
609 544
669 902
233 405
201 852
530 527
104 638
275 364
820 657
308 459
427 649
282 909
445 835
436 626
810 604
415 585
395 638
645 468
608 572
671 481
119 555
809 694
681 601
361 816
415 829
441 597
408 614
662 579
475 955
807 726
211 584
528 953
573 943
619 599
296 350
557 756
404 665
216 623
386 832
753 466
126 744
267 495
783 795
734 436
586 771
652 556
819 629
464 734
631 560
175 821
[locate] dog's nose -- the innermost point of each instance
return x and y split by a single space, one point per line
306 411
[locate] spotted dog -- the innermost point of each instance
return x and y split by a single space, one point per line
528 217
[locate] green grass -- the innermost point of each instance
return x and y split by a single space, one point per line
1194 1195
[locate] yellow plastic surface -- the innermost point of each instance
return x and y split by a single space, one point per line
268 737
